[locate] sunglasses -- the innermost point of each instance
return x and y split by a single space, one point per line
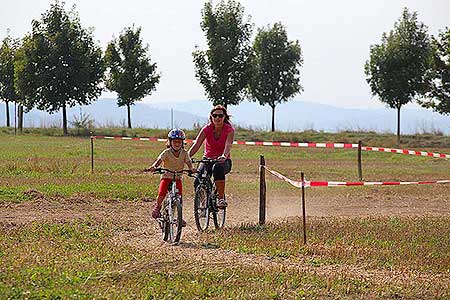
217 115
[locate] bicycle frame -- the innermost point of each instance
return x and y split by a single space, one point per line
171 219
203 209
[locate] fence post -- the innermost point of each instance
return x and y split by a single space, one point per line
303 207
262 191
92 154
359 161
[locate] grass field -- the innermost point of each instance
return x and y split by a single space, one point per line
66 233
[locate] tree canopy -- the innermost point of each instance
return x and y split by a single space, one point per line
275 65
59 64
397 68
438 97
224 68
7 56
130 71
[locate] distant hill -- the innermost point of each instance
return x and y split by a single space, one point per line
291 116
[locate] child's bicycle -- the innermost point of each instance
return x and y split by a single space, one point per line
205 201
171 220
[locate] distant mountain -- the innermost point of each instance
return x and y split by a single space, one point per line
298 115
290 116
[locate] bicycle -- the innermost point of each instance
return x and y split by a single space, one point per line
205 200
171 220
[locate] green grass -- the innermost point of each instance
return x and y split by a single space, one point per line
83 260
78 260
415 243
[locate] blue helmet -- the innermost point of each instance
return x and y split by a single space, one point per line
176 134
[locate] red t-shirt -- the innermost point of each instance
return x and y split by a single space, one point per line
214 147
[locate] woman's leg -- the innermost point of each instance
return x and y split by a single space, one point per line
219 171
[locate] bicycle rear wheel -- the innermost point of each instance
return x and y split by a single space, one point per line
175 222
201 207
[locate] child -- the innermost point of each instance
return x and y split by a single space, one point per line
173 158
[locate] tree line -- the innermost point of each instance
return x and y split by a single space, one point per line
58 64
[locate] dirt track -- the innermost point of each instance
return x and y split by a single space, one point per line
139 231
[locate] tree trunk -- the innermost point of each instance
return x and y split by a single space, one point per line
398 125
8 123
20 117
129 116
64 120
273 118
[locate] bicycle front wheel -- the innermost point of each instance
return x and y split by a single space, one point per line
218 214
175 222
201 207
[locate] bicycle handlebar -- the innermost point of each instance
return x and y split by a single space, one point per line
162 170
205 160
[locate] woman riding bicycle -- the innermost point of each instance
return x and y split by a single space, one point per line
173 158
218 135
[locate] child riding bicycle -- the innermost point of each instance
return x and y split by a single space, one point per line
173 158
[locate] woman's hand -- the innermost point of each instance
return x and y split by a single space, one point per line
222 159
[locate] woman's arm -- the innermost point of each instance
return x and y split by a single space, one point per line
197 144
228 144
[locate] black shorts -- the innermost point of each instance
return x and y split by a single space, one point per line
217 170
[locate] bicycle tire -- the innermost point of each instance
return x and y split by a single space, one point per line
218 214
175 223
201 207
165 230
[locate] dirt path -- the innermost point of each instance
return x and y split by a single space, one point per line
139 231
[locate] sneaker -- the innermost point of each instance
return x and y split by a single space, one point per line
156 212
221 203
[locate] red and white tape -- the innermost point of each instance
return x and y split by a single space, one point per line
297 184
293 144
406 151
307 183
362 183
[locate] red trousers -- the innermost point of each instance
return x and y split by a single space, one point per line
164 186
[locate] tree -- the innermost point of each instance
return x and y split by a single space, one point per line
397 68
276 62
131 73
61 64
438 97
224 69
7 90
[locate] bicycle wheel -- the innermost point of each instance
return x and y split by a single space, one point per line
218 214
201 207
175 221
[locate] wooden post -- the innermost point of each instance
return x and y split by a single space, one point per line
92 154
262 191
303 208
359 161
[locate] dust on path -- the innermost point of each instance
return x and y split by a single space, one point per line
137 229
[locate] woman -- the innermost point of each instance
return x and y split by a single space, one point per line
218 135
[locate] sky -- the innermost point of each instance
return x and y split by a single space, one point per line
335 37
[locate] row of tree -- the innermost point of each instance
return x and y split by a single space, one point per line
410 65
58 64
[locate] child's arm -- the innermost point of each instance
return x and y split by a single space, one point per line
156 164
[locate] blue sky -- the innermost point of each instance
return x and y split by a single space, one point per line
335 37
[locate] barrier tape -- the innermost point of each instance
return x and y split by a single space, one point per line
307 183
294 144
297 184
362 183
405 151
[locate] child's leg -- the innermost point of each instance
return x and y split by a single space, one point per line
163 187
